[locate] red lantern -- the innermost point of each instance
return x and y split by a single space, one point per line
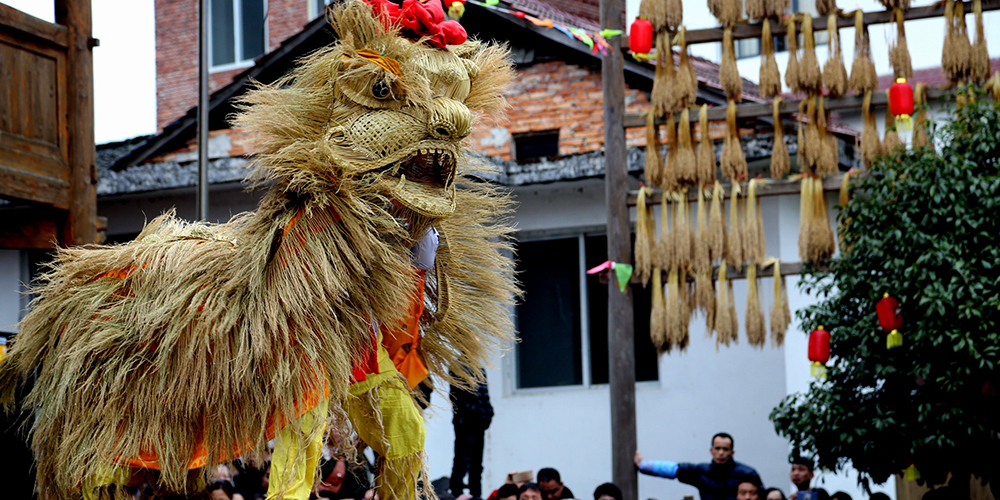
901 102
640 36
889 317
819 351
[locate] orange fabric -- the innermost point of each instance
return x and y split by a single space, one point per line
403 341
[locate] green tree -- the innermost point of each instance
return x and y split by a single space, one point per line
923 226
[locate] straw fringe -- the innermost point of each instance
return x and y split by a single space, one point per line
682 237
753 227
828 162
668 173
805 218
826 7
724 319
285 296
756 9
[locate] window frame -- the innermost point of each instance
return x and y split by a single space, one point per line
239 62
511 364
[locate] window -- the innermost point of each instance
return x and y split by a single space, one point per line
318 7
533 146
237 32
563 319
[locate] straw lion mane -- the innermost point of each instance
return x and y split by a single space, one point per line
206 336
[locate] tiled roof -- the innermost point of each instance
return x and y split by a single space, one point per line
932 77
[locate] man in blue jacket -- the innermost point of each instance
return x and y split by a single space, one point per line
717 480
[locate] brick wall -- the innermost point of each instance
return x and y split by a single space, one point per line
177 51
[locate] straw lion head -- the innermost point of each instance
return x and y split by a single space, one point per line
388 106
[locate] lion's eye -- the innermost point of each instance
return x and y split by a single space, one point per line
380 90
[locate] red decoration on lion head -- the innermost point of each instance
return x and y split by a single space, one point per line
420 20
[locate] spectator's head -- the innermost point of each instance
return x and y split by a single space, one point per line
332 474
840 495
802 472
507 492
748 490
220 473
608 491
722 448
529 491
220 490
551 483
774 494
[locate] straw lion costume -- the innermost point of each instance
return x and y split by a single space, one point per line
197 343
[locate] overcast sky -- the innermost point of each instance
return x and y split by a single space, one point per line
124 64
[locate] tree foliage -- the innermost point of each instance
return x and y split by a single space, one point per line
923 226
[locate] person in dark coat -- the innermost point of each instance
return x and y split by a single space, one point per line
716 480
473 414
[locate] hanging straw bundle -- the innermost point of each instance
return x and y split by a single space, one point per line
956 55
702 258
895 4
921 135
871 145
792 71
664 94
756 332
828 162
676 309
729 75
770 79
780 162
668 172
753 226
805 217
645 229
726 11
655 11
657 326
781 315
863 76
716 224
651 164
756 9
845 197
683 242
822 236
891 139
980 63
834 72
734 238
813 145
899 55
703 292
734 162
686 309
687 81
687 170
726 324
664 248
776 8
675 14
706 149
810 78
800 140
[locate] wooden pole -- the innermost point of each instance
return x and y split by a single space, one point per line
80 225
201 209
621 340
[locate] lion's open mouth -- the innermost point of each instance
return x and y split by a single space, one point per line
433 167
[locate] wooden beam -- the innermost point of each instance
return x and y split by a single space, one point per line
30 228
740 273
80 227
746 111
621 336
753 30
33 26
23 185
770 188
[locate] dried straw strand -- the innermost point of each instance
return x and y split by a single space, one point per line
706 149
687 80
814 138
651 164
792 70
668 173
716 224
687 170
863 77
780 162
899 54
828 163
734 162
664 94
753 226
675 309
824 244
770 79
734 237
956 53
805 218
834 72
643 236
826 7
756 332
729 75
723 312
664 248
756 9
780 313
657 326
655 11
921 125
980 63
683 236
675 14
810 78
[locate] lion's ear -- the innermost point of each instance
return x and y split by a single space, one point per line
491 72
356 21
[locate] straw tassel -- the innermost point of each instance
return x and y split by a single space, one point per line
675 309
734 162
655 11
863 76
657 328
792 70
801 145
651 165
724 320
734 238
921 125
810 78
845 198
780 162
891 139
834 72
814 139
675 14
706 149
871 145
756 9
687 81
822 233
770 79
956 54
686 309
664 249
643 236
726 11
668 173
716 224
899 55
729 75
805 217
704 295
980 70
780 314
682 243
756 332
664 94
895 4
686 161
826 7
753 226
829 163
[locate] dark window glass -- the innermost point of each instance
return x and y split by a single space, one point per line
646 359
253 28
533 146
548 319
222 34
